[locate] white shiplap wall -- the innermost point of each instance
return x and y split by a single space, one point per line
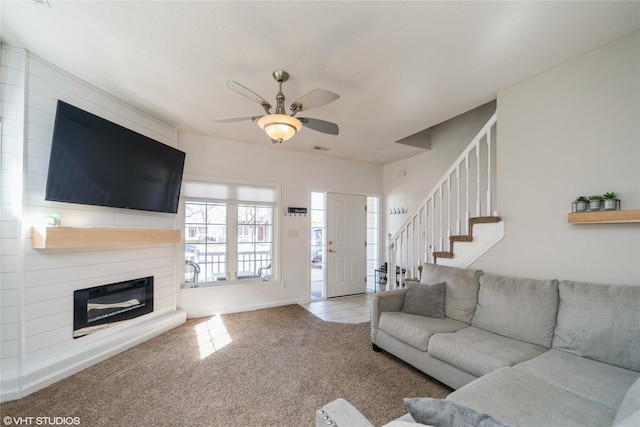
47 278
12 72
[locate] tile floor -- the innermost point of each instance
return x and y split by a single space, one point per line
351 309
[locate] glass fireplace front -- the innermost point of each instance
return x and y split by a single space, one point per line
103 305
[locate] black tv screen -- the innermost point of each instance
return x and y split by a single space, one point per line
97 162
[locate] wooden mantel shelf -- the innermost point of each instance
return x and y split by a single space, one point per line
72 237
605 217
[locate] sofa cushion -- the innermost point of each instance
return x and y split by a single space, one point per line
599 322
523 309
629 410
447 413
341 413
406 418
633 420
424 300
400 423
415 330
520 399
461 289
597 381
479 352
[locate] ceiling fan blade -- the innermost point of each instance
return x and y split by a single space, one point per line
314 99
236 119
320 125
249 94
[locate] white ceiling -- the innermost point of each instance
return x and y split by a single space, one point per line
400 67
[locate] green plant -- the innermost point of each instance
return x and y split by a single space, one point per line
609 196
595 197
53 219
581 199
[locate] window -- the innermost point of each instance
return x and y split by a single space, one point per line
255 243
318 214
373 245
228 240
243 232
206 245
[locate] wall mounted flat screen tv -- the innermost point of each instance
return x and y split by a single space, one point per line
96 162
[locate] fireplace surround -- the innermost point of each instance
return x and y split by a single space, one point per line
102 306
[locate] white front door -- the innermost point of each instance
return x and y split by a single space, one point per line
345 242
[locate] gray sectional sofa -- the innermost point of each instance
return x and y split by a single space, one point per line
525 352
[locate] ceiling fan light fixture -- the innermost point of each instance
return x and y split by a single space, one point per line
279 127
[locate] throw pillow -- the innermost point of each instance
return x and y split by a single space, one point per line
447 413
425 300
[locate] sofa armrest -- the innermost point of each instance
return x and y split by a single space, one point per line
340 413
385 301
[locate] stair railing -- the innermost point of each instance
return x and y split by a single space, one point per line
466 190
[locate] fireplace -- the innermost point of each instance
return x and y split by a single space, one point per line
102 306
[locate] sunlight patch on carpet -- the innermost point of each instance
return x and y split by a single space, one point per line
212 335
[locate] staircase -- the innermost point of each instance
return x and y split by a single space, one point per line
457 210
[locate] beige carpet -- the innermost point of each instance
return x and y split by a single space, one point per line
278 367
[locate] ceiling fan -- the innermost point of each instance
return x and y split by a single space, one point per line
281 126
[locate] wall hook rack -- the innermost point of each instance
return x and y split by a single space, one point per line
396 211
293 211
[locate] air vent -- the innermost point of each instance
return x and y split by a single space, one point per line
319 148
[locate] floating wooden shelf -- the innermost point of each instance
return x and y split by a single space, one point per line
72 237
605 217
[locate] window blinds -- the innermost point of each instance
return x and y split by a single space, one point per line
230 192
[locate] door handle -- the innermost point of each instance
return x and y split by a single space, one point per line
331 250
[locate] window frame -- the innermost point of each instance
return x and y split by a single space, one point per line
232 232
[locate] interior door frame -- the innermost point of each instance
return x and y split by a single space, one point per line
380 240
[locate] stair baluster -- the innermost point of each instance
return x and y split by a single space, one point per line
428 233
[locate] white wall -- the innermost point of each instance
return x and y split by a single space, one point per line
573 130
297 174
12 75
37 285
448 140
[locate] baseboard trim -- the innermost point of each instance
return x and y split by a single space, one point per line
209 313
97 351
9 388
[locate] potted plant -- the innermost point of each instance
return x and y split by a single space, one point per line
609 200
594 202
53 220
581 203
